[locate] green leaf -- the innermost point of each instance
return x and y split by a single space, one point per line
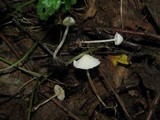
72 2
68 4
46 8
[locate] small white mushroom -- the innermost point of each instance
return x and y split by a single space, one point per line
59 93
68 21
87 62
118 39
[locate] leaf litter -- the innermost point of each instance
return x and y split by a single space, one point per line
127 79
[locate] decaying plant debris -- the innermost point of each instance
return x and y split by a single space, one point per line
127 79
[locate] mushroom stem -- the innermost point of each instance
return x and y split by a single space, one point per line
118 39
94 88
61 43
44 102
98 41
59 93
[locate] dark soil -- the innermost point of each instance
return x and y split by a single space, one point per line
127 79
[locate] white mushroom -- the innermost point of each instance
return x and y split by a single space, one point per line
68 21
87 62
118 39
59 93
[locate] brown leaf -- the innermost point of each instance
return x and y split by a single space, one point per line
149 75
119 75
153 7
91 11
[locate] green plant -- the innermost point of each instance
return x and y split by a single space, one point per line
46 8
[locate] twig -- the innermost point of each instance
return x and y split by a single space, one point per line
27 83
22 69
121 13
155 102
9 98
12 48
32 37
154 37
18 9
71 114
9 45
144 34
121 103
25 57
31 102
94 89
32 96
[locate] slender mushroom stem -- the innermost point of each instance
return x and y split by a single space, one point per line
118 39
94 88
98 41
44 102
59 93
61 43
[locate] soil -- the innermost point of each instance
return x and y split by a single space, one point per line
126 80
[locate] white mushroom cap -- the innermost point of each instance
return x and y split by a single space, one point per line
118 39
59 92
86 62
68 21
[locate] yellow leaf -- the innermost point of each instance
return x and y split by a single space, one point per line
115 59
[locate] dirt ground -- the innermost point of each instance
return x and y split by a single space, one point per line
123 86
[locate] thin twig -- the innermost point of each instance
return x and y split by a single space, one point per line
12 49
94 89
9 45
32 37
27 83
155 102
32 96
25 57
31 102
153 37
121 103
121 13
22 69
71 114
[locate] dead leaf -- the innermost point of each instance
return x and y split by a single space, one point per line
119 75
153 7
91 11
150 76
115 59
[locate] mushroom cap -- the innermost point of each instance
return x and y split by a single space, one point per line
86 62
118 39
59 92
68 21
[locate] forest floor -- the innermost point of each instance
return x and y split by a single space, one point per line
127 79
